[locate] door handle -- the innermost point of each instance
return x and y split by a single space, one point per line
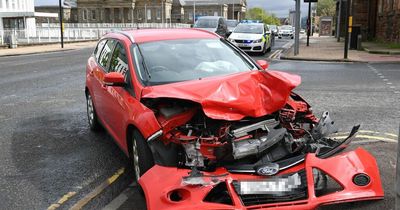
91 73
104 86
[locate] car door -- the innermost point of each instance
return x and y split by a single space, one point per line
98 89
118 98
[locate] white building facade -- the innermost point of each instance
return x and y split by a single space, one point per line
17 15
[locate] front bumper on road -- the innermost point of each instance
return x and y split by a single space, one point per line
163 186
251 47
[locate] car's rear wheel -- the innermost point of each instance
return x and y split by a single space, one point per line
142 158
94 124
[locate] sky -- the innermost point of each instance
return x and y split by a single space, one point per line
279 7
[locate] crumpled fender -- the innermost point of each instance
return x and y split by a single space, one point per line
159 181
232 97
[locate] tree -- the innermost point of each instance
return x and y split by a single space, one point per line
258 13
326 8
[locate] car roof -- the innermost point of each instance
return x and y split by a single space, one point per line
153 35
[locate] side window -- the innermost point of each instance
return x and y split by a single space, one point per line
119 61
106 53
99 48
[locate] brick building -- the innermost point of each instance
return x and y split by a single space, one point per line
377 19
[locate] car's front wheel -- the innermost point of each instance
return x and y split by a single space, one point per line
142 158
94 124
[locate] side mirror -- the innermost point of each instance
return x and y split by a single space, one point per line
263 64
114 79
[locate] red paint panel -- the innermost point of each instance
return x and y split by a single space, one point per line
233 97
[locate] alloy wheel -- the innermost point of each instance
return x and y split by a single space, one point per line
135 159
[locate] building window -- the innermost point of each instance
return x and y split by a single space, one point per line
93 13
13 4
158 14
380 6
84 14
190 16
148 14
139 14
7 4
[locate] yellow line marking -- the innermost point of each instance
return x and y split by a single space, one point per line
366 131
273 54
391 134
360 136
62 200
99 189
377 138
116 175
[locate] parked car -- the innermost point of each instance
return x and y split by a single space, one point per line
207 127
213 24
286 31
231 25
274 29
252 37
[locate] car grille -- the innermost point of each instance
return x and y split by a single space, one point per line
243 41
258 199
245 48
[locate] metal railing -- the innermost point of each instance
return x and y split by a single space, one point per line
74 31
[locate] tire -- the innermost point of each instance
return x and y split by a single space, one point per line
93 120
142 158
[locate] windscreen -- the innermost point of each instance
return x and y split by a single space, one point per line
249 29
231 23
206 23
170 61
286 28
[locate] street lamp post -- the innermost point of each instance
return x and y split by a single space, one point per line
61 23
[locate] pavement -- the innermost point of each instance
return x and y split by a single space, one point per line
328 49
45 48
49 159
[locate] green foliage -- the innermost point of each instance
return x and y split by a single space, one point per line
258 13
326 8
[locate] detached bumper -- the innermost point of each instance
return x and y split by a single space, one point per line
164 190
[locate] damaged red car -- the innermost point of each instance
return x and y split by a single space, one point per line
206 127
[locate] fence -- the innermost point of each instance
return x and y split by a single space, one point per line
74 32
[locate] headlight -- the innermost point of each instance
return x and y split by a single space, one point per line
257 41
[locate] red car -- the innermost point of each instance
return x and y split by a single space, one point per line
207 127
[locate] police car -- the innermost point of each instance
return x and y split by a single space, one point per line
252 37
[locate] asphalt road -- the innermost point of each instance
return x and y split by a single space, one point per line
47 150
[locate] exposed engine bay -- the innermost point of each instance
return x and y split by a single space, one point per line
190 139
